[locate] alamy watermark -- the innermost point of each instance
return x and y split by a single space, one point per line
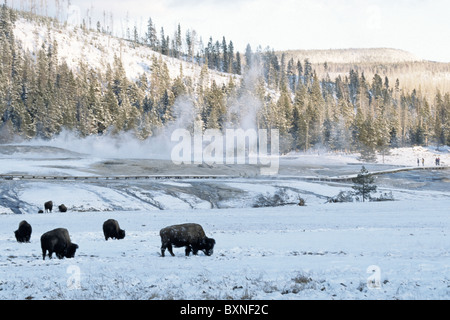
235 146
74 280
374 280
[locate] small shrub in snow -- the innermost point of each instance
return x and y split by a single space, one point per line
349 196
386 196
301 202
302 279
279 198
342 196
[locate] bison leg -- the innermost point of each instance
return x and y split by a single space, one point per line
164 247
195 249
169 248
188 250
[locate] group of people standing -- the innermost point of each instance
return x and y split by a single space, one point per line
437 161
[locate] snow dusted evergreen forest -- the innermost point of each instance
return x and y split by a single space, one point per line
55 76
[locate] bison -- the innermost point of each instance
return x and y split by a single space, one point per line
62 208
23 234
189 235
48 206
58 241
111 230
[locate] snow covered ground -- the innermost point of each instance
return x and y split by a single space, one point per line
318 251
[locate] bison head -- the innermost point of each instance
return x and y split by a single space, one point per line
208 246
70 250
121 234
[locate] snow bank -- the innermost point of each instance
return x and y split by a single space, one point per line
314 252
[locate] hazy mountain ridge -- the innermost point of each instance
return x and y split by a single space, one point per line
353 55
412 72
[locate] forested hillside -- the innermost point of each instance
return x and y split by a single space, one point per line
42 94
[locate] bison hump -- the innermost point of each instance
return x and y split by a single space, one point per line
188 232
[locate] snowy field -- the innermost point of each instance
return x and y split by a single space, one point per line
289 252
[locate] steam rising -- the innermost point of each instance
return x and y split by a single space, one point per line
123 146
242 114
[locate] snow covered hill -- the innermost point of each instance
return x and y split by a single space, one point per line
98 49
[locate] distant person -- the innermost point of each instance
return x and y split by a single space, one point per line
439 161
423 162
436 161
418 162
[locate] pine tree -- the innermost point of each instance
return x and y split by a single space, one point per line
363 184
285 112
178 87
164 47
237 66
178 42
225 56
67 96
230 58
110 106
315 112
189 45
367 140
100 120
441 118
382 131
214 109
152 38
248 56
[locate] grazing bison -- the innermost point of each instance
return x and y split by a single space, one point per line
23 234
48 206
58 241
62 208
189 235
111 230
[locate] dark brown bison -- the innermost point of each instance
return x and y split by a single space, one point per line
48 206
62 208
58 241
23 234
111 230
189 235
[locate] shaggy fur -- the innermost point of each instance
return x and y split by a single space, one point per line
23 234
112 230
189 235
58 241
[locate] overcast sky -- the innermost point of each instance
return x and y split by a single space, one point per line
421 27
